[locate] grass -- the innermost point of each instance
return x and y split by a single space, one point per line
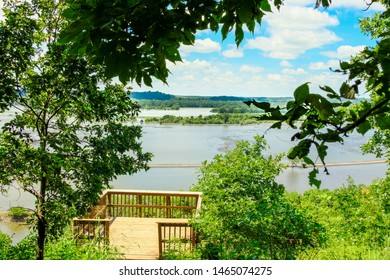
64 247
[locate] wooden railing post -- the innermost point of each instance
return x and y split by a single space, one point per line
168 209
108 201
160 240
140 205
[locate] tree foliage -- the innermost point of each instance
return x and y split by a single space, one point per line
245 214
134 39
331 115
69 137
356 219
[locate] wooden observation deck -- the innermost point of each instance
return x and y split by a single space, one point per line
142 224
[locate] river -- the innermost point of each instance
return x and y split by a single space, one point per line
179 150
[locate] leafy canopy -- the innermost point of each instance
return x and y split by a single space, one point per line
133 39
70 134
331 115
245 214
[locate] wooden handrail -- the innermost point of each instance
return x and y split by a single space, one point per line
143 204
175 237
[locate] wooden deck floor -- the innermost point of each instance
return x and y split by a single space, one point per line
137 238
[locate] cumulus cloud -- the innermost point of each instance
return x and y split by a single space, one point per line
290 71
233 52
352 4
250 69
293 31
320 65
202 46
285 63
357 4
344 52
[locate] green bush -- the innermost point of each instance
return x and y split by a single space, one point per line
245 214
18 213
64 247
356 219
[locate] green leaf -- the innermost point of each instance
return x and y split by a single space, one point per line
265 6
328 89
301 150
68 13
385 63
147 80
313 181
301 93
225 30
239 33
277 125
308 160
383 122
321 104
344 65
214 26
245 11
261 105
364 127
322 151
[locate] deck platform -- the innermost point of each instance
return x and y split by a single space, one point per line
137 238
142 225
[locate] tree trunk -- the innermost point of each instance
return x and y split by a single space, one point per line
41 220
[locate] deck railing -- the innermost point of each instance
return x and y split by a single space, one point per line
131 203
175 237
151 204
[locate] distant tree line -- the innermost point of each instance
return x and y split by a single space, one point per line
241 119
217 105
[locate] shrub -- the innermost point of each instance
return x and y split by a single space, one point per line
245 214
18 213
64 247
356 219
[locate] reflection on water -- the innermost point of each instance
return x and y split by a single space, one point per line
16 231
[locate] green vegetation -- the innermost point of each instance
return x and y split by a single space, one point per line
62 248
322 120
220 104
356 220
18 213
68 139
133 40
241 119
245 213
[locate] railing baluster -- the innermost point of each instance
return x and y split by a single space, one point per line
144 204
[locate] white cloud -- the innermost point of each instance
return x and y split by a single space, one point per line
233 52
289 71
293 31
320 65
202 46
354 4
285 63
344 52
357 4
250 69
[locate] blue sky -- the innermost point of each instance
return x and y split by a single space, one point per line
291 47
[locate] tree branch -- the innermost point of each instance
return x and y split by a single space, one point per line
363 118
